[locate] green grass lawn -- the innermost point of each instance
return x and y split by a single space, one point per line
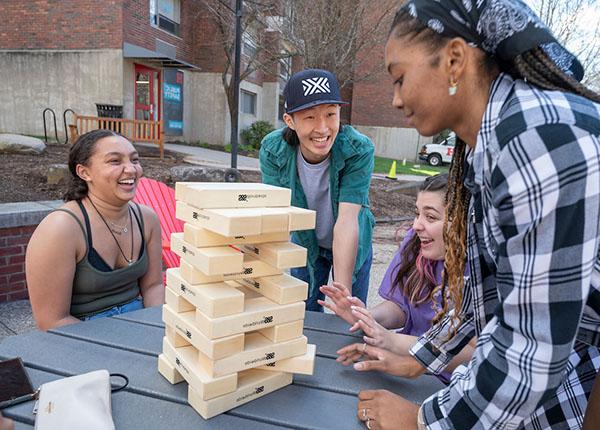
382 165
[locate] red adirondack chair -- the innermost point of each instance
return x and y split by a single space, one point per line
162 199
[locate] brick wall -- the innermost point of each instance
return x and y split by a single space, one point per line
13 243
138 30
64 24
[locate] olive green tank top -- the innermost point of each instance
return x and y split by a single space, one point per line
96 290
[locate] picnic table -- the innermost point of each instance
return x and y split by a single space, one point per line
130 344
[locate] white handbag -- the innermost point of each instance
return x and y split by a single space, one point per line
77 402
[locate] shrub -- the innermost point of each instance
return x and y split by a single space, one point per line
254 134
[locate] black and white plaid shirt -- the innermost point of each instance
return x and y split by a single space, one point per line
533 297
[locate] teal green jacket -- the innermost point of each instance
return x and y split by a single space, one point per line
350 169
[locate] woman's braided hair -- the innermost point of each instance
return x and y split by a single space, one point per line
533 66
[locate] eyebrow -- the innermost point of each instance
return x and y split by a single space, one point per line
430 208
111 154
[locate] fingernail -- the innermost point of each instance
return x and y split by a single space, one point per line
358 366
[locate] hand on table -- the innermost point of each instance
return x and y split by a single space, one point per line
342 302
375 333
379 359
382 410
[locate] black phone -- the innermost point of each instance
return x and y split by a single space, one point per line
15 386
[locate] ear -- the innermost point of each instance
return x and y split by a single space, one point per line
83 172
456 58
289 121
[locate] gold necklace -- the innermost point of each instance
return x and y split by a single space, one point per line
110 230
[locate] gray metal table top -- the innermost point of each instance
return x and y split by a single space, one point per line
130 344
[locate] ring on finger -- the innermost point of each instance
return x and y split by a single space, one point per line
365 414
369 423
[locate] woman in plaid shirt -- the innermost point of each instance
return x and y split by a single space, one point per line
523 206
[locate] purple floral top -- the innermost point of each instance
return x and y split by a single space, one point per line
418 318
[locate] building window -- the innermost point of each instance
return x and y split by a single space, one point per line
248 46
248 102
166 15
285 70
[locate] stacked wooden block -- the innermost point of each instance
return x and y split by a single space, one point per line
233 317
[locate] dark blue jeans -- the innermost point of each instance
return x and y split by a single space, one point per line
323 266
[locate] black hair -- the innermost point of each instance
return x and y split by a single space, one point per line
80 153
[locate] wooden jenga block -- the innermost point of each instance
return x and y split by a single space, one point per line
178 303
282 255
281 289
184 324
201 237
252 267
226 222
232 195
284 332
176 339
168 370
252 384
215 299
303 364
301 219
258 350
211 261
186 364
258 313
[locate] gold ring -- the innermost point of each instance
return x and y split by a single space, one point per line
369 423
364 347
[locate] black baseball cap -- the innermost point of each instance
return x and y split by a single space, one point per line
311 87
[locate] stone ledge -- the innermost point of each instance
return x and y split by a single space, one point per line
22 214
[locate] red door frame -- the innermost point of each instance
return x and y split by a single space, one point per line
153 98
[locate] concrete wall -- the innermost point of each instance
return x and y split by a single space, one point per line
270 110
205 111
31 81
395 143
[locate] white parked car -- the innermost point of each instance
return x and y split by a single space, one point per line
438 153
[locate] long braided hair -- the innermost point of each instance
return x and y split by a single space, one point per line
533 66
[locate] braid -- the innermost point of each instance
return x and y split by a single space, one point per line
537 68
455 238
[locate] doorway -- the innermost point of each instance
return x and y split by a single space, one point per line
147 94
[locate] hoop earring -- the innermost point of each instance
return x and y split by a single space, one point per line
453 87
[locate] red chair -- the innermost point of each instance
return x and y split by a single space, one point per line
162 199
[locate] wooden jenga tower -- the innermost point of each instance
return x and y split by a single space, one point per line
233 318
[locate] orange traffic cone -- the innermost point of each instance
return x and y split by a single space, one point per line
392 173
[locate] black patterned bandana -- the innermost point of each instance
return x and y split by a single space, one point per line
502 28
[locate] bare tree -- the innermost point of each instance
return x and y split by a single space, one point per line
262 51
329 34
576 23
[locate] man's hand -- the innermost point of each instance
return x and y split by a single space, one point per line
382 410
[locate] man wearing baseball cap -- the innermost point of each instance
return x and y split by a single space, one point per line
328 167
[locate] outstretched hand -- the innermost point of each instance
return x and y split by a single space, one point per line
375 333
341 302
379 359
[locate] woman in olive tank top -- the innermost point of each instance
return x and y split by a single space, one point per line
99 254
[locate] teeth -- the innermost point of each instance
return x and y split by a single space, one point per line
320 139
127 181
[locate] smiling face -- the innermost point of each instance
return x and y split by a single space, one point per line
429 224
113 170
420 85
317 128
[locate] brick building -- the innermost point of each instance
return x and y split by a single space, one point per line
158 59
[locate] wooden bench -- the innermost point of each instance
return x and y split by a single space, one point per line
133 129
